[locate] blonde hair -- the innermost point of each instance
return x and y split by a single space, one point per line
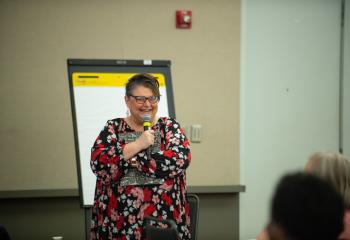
333 167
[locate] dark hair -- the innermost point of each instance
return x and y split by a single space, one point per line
307 207
145 80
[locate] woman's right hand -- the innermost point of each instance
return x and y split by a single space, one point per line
146 139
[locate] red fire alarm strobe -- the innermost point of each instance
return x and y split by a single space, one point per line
183 19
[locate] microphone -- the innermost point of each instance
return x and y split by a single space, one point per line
147 126
146 122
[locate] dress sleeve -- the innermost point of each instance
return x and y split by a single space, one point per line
175 156
107 161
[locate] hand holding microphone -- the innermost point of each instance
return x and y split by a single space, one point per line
147 137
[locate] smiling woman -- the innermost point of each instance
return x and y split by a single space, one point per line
140 173
142 96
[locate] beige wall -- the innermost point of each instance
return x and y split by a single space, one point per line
36 133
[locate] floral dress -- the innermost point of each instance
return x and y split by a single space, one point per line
119 211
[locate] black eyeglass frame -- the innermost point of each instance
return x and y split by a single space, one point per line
143 99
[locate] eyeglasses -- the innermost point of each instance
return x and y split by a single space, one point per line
143 99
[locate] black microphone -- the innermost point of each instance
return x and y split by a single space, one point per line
146 122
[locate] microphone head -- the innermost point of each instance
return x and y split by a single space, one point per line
146 118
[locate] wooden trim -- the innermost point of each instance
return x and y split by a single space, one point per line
216 189
49 193
44 193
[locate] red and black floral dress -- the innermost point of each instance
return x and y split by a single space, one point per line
119 210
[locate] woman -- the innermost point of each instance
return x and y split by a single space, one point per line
335 168
140 173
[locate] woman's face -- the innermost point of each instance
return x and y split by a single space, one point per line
138 108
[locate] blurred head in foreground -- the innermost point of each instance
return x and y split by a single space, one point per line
305 207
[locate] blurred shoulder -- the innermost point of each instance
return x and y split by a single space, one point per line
115 121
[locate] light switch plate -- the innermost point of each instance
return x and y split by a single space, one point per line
196 133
